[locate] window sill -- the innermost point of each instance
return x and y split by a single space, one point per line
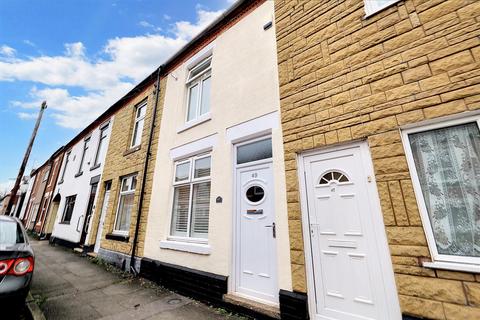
117 237
95 167
204 249
132 150
204 118
452 266
60 182
78 174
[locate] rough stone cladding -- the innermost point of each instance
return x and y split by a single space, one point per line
344 77
121 161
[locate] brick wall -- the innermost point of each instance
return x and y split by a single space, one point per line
121 161
342 78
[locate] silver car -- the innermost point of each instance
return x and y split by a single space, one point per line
16 262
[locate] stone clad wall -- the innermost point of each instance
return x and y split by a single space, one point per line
342 78
120 161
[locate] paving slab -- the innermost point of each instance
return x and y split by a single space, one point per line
69 286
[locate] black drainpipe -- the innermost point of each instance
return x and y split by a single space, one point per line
145 169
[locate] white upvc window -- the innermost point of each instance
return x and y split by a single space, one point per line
374 6
198 90
125 204
86 145
191 199
102 145
444 161
140 112
67 159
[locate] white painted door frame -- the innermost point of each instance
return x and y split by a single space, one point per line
379 228
98 238
234 278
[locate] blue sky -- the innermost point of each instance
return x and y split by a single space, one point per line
80 56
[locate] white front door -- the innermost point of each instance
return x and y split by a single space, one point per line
102 217
350 264
255 254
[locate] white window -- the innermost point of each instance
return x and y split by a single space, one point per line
67 158
444 159
45 175
191 198
198 93
102 145
140 111
374 6
125 204
86 145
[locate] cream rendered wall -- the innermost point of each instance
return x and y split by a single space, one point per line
244 87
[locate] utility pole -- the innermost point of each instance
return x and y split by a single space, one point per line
13 193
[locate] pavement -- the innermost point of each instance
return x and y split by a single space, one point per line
69 286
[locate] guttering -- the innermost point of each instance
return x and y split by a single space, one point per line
145 170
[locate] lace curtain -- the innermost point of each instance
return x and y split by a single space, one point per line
448 167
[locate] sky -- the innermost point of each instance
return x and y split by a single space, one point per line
80 56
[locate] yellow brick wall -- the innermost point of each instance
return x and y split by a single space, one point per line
121 161
343 77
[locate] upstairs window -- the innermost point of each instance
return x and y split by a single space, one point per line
102 146
374 6
191 198
67 159
198 93
140 111
86 145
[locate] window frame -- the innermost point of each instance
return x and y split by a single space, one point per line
191 181
63 221
86 146
372 7
67 159
120 194
142 104
192 82
442 260
103 128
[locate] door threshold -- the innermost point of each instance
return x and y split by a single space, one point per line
269 310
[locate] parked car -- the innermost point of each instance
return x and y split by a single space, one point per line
16 261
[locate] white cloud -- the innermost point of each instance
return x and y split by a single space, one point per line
26 115
147 24
6 186
29 43
125 61
187 30
7 51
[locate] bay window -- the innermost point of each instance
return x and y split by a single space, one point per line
445 163
191 198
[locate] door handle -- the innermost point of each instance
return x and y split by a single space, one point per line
78 222
274 229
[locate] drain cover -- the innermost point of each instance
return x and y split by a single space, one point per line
174 301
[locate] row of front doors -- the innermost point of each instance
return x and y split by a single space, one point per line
348 263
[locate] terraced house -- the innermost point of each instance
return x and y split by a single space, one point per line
125 187
217 224
380 121
76 190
